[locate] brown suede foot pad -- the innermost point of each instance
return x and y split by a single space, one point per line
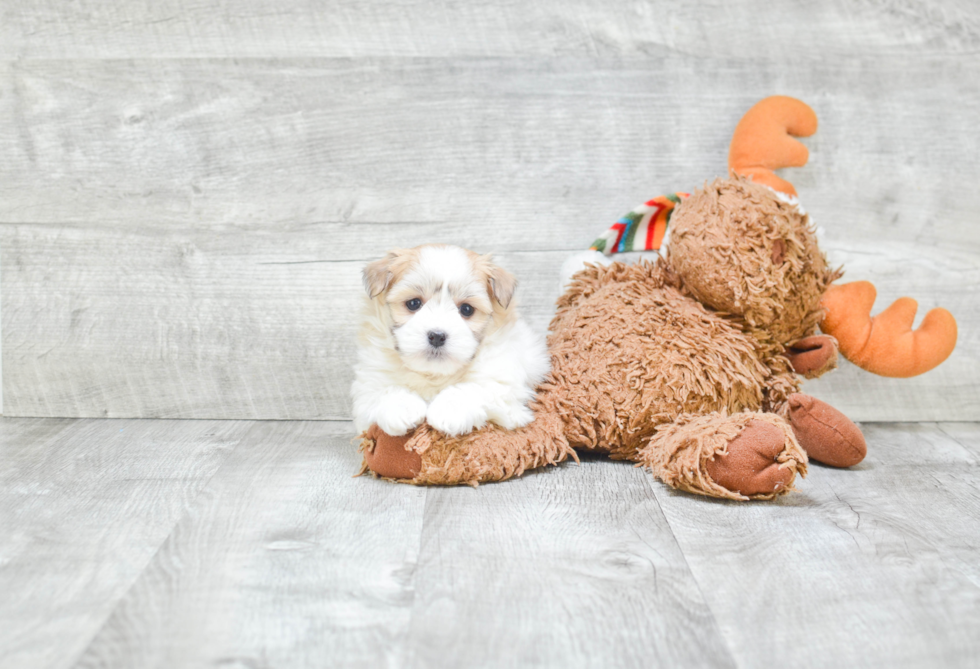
749 467
389 457
827 435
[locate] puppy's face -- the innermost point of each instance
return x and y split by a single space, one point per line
440 302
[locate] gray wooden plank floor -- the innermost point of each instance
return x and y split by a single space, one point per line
156 543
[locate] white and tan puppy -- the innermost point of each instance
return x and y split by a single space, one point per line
441 342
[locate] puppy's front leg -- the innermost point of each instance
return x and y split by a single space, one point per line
396 410
459 409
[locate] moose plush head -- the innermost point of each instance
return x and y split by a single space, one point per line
795 291
692 366
741 250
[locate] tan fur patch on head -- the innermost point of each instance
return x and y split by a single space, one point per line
501 284
741 250
382 274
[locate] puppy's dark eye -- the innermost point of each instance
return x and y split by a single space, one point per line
466 310
413 304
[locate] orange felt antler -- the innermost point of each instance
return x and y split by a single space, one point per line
886 344
763 140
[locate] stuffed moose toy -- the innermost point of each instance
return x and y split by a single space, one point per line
691 366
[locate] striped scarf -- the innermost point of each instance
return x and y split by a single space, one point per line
642 229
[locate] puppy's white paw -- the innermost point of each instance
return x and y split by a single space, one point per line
455 412
513 416
400 411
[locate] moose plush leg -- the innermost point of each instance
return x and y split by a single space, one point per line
740 456
827 435
428 457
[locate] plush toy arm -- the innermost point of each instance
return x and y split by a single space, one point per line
886 344
429 457
763 140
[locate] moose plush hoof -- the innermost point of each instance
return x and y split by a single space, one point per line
827 435
750 467
388 456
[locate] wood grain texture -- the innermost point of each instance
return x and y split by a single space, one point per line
288 562
284 561
868 567
412 28
191 325
935 278
187 190
574 567
966 435
378 152
109 322
196 543
84 506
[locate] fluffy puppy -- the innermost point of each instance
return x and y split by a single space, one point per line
441 342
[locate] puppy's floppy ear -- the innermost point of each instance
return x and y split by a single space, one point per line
502 285
378 275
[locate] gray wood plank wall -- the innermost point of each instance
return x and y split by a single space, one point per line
188 191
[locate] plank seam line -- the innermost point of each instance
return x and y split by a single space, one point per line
129 588
966 449
406 639
654 483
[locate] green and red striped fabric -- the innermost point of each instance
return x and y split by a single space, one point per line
642 229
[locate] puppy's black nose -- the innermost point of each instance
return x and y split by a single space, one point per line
436 338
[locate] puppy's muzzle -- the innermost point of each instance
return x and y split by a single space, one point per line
437 338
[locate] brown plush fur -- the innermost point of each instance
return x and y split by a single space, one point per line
693 361
679 452
666 364
723 242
